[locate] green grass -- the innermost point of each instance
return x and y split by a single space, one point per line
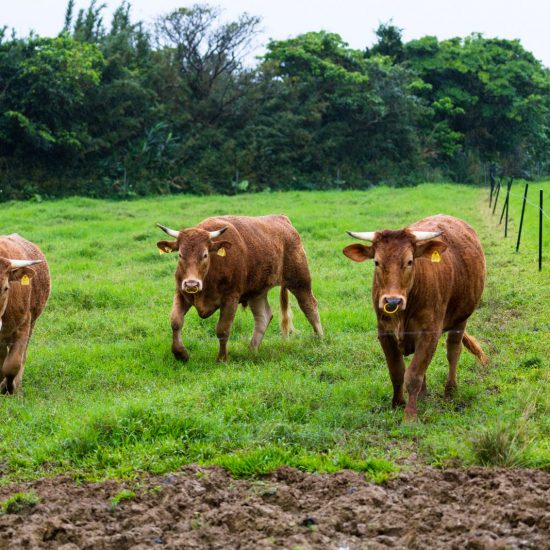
103 396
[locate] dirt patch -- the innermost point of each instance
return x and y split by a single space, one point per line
206 508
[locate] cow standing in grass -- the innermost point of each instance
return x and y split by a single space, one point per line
24 291
256 254
428 280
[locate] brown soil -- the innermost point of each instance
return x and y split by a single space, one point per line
206 508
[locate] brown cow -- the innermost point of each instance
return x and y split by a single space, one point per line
423 286
24 292
255 255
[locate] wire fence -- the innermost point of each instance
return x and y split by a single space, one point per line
494 193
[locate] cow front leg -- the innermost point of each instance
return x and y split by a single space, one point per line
223 329
3 355
14 363
396 366
415 374
262 317
179 308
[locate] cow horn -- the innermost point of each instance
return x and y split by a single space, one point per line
168 231
15 264
365 236
426 235
214 234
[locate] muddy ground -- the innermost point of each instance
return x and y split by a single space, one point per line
206 508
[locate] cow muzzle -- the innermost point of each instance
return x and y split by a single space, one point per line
392 304
191 286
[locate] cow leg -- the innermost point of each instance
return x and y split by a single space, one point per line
454 348
415 374
179 308
424 388
262 317
396 366
3 354
13 365
308 304
227 314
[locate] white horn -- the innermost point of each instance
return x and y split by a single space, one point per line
169 231
366 236
426 235
23 263
214 234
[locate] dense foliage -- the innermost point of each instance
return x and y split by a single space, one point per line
126 109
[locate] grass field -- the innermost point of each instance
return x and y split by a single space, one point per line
102 395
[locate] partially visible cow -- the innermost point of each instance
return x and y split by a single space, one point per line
24 291
428 280
256 254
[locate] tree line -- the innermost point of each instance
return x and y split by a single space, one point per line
123 108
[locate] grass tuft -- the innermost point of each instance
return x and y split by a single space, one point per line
19 503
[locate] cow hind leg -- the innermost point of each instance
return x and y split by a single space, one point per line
286 312
454 348
262 317
308 304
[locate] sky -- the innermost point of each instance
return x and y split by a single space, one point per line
354 20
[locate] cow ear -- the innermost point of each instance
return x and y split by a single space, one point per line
429 249
359 252
22 274
217 246
167 246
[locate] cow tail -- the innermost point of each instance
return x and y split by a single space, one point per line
472 345
286 312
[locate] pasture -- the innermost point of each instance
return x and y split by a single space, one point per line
103 396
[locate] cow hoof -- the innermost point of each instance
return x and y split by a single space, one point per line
181 354
410 416
450 391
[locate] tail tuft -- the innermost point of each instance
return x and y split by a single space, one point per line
286 312
472 345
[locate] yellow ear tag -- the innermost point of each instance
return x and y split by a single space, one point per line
161 251
221 251
167 250
436 257
25 280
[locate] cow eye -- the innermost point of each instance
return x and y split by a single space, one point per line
376 263
409 263
205 255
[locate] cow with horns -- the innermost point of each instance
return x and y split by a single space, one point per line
24 291
256 254
428 279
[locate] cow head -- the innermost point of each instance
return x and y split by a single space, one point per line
395 254
195 247
13 271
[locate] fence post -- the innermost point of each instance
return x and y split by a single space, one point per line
505 207
522 214
492 182
540 231
496 197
